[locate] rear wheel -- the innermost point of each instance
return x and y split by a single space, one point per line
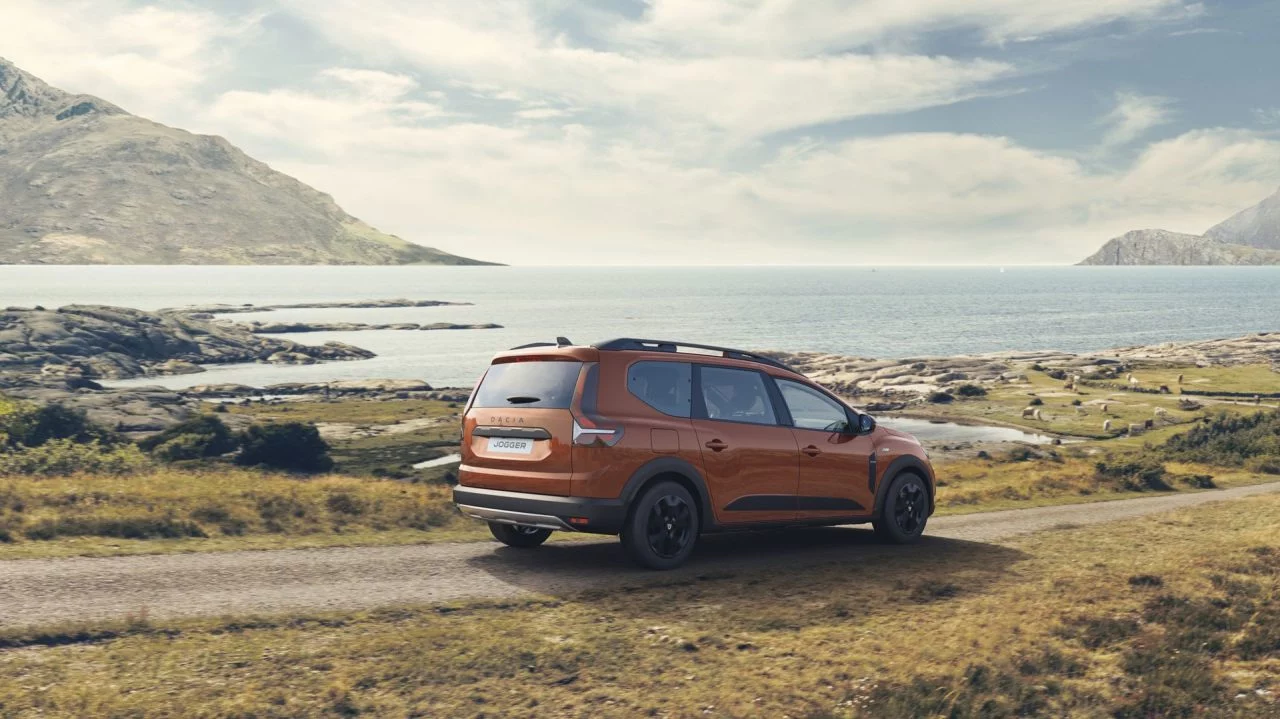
518 535
905 510
662 528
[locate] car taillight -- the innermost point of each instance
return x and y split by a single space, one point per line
589 428
595 436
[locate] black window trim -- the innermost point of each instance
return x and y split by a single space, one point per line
781 415
693 385
850 414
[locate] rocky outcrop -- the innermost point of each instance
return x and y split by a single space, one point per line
84 182
1249 237
224 309
1257 226
135 411
911 378
94 341
280 328
1161 247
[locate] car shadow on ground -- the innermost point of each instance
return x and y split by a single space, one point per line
561 568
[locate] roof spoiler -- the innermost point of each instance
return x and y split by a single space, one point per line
560 342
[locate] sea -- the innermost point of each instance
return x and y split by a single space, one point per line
885 312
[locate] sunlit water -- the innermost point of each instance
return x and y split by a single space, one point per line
885 312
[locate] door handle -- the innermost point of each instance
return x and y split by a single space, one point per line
716 445
812 451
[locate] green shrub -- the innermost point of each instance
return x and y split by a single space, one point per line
65 456
344 503
1264 465
1134 475
1230 440
205 436
1035 402
23 424
290 446
123 528
940 397
971 390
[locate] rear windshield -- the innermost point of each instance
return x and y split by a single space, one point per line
546 384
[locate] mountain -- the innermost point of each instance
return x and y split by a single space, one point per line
1161 247
84 182
1249 237
1258 226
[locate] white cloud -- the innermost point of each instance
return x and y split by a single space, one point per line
143 58
1133 115
575 194
500 130
815 25
506 47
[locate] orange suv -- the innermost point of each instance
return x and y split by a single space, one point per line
661 441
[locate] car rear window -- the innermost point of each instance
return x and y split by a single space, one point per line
547 384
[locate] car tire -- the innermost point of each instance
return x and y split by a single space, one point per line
905 510
662 527
518 535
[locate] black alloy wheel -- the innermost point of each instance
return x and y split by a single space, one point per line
905 510
662 527
670 526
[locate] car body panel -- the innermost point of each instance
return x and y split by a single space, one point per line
761 476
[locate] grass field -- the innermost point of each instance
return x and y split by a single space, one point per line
1004 404
168 510
1174 615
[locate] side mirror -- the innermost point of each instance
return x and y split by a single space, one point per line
866 424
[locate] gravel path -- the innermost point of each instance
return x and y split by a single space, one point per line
41 591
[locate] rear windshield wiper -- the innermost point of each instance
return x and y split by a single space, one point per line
521 399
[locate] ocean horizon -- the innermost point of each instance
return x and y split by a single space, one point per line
880 311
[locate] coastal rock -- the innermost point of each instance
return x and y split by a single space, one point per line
349 386
290 358
225 309
175 366
135 410
115 342
277 328
223 389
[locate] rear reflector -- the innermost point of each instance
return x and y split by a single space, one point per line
577 520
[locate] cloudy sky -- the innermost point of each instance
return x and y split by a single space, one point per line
712 131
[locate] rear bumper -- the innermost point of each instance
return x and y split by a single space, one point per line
602 516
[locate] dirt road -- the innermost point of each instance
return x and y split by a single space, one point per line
41 591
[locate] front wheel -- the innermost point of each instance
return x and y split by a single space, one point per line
662 528
518 535
905 510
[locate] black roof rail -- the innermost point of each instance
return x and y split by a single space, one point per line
631 343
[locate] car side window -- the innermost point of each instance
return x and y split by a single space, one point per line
811 409
665 386
736 395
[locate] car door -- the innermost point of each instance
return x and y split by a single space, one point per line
834 462
749 456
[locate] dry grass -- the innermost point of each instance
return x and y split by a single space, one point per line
1168 616
183 510
981 485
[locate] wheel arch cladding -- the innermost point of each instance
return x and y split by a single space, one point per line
905 463
676 470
